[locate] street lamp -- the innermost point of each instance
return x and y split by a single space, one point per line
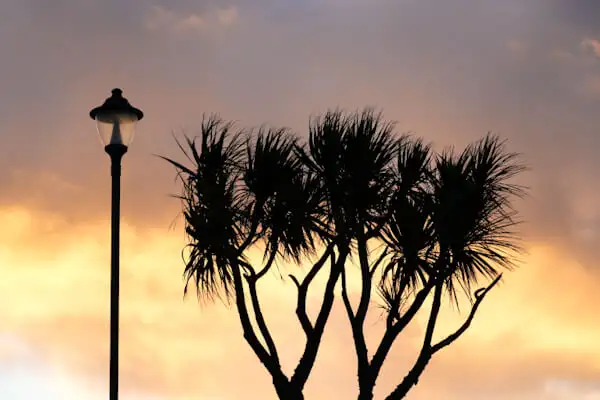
115 120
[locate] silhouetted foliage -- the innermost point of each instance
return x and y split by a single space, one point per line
418 223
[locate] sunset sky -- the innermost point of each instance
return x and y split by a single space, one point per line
449 71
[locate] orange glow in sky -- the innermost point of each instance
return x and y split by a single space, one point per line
448 71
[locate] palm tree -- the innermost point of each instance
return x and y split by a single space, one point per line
451 223
245 188
440 222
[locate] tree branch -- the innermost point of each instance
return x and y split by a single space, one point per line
265 358
260 320
267 266
346 298
433 315
394 312
301 309
357 323
248 267
479 296
365 295
426 352
391 333
303 291
313 340
359 339
251 234
376 264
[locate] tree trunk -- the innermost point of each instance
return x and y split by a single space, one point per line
287 391
290 394
366 384
365 394
402 390
409 380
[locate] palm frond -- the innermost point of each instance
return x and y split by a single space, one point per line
351 153
286 196
408 231
473 214
215 221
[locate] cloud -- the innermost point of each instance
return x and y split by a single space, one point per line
166 341
566 389
592 45
161 18
582 16
441 69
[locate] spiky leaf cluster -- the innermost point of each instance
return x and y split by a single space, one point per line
445 217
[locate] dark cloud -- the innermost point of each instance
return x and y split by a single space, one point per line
445 70
581 15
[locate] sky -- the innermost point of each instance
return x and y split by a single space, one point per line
449 71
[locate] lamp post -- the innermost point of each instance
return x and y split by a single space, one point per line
115 120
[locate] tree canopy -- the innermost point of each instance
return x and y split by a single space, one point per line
420 224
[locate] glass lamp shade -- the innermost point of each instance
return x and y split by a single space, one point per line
116 128
116 119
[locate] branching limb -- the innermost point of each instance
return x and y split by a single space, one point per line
346 298
258 314
267 266
378 262
433 315
313 340
365 295
251 234
425 354
391 333
270 362
303 291
366 379
357 323
260 319
247 267
394 311
412 378
301 309
358 337
479 296
393 315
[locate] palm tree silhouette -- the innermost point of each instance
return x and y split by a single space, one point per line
451 223
418 222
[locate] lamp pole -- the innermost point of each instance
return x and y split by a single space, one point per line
115 120
116 153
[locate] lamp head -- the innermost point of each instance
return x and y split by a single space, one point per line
116 119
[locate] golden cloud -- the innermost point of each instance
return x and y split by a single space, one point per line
541 324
